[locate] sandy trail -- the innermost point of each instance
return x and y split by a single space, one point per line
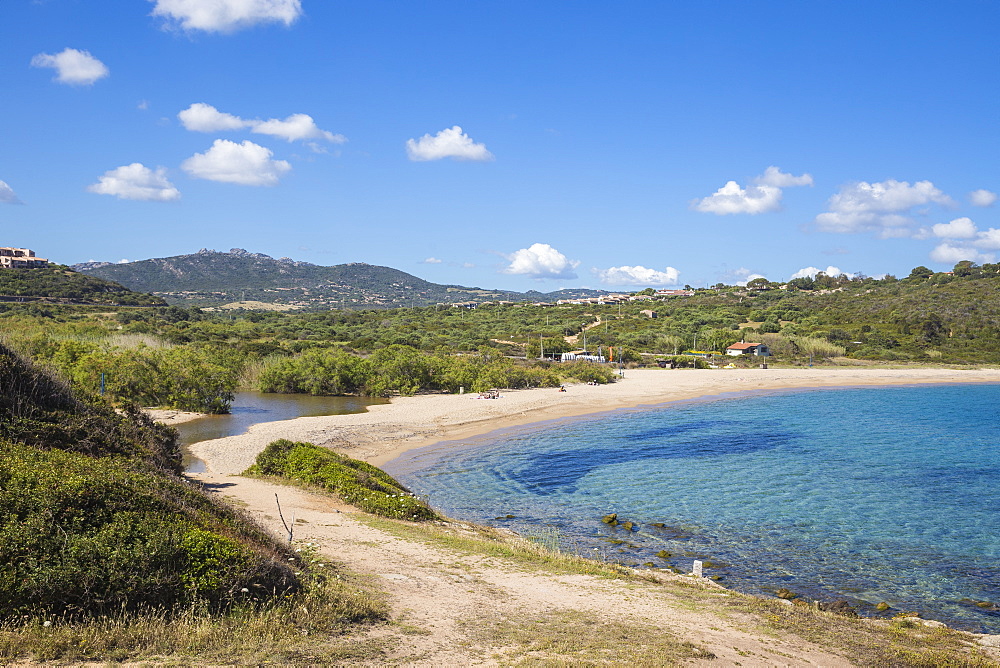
443 598
445 601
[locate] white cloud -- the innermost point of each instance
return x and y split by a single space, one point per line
541 261
638 275
947 253
226 15
763 197
811 272
138 182
432 260
7 195
201 117
960 228
295 127
730 199
247 164
773 176
449 143
982 197
973 238
142 105
881 207
72 66
988 239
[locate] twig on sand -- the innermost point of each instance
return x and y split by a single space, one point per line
289 529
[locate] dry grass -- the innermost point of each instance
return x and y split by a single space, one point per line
515 550
314 628
574 638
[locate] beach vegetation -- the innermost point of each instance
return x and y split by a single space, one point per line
356 482
106 552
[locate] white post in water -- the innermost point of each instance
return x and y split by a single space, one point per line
697 569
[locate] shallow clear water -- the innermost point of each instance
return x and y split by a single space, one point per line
250 408
865 494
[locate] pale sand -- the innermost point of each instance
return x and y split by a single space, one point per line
388 430
169 416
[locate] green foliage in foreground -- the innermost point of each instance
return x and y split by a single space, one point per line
358 483
84 536
94 520
406 371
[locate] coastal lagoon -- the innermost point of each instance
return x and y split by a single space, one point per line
250 408
876 494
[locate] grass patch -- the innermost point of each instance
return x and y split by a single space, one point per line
868 642
356 482
575 638
489 542
313 626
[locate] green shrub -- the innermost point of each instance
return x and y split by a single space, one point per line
83 536
358 483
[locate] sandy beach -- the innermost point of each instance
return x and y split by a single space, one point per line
386 431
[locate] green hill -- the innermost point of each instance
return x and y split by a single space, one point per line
59 284
211 278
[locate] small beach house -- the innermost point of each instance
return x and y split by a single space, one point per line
758 349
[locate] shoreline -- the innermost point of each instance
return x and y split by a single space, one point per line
387 431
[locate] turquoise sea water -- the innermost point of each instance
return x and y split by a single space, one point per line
865 494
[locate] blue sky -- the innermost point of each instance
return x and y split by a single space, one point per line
523 145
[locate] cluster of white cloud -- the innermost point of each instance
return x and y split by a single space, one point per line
201 117
449 143
74 67
137 182
963 240
811 272
226 15
541 261
7 195
638 275
762 196
884 207
246 164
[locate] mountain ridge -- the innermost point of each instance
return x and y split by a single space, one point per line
213 278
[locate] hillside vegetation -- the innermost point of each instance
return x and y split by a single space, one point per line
56 283
209 277
194 360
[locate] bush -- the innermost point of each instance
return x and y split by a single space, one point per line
83 536
358 483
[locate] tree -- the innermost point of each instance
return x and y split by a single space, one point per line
920 272
965 268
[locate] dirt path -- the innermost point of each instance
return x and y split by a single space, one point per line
575 338
449 606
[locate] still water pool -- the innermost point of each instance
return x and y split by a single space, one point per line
250 408
866 494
